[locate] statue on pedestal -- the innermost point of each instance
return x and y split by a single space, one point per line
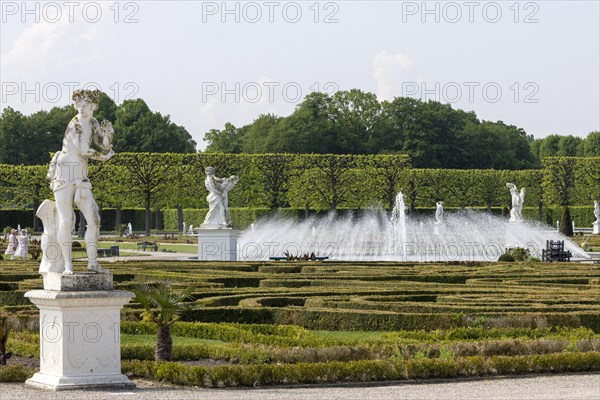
518 199
596 223
439 213
218 214
85 138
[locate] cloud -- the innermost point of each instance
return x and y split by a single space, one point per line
262 96
389 70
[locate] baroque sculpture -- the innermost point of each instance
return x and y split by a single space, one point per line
218 198
439 213
518 199
85 138
597 211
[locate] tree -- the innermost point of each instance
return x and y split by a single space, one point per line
332 178
148 175
162 306
12 132
591 144
566 222
137 129
276 172
388 168
355 115
309 129
228 140
559 179
257 133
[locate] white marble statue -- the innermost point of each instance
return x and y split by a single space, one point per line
439 213
518 199
218 214
84 138
597 211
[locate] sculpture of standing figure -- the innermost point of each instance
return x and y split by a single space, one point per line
12 245
218 199
597 211
23 245
84 138
518 199
439 213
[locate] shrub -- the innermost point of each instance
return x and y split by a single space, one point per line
566 223
506 258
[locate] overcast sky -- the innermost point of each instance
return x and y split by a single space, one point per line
531 64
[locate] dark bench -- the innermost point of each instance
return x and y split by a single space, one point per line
147 245
105 252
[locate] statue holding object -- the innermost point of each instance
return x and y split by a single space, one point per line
85 138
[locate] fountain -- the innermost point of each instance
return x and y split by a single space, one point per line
465 235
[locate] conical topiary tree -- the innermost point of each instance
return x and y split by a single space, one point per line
566 223
162 306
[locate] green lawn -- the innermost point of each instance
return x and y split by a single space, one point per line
151 339
178 248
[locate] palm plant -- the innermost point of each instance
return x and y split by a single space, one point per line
163 306
4 331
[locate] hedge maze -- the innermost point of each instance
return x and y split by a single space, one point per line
307 322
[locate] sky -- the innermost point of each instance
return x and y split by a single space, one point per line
533 64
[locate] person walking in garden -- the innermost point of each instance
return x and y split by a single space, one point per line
23 245
11 248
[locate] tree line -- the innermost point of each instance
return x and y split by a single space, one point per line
156 181
433 134
28 140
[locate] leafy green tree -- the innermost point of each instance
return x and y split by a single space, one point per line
258 133
495 145
162 306
570 146
148 175
228 140
12 133
309 129
356 117
559 179
388 170
332 178
137 129
591 144
276 171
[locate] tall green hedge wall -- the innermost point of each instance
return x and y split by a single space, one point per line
301 183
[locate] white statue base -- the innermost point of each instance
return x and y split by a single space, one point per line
80 346
216 244
596 230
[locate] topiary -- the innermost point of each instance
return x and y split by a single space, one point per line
566 223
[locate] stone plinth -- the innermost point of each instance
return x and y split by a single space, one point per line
217 244
80 346
84 281
596 226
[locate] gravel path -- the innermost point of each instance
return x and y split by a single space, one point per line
549 387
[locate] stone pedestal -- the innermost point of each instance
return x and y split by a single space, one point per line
80 346
513 237
596 226
217 244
